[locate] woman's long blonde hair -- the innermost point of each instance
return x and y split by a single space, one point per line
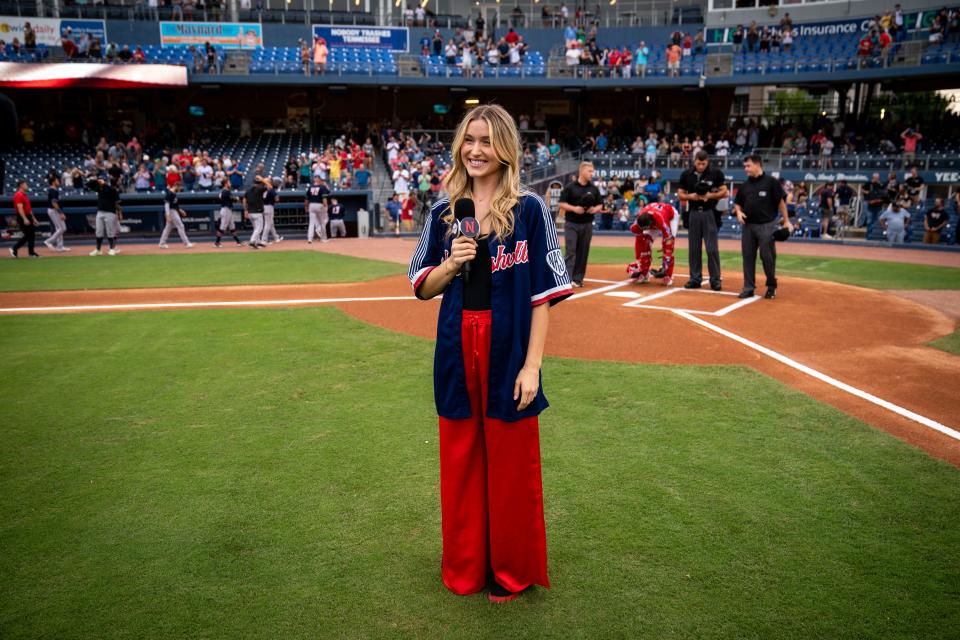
506 145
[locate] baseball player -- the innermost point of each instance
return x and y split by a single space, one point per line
337 226
109 213
173 215
225 222
58 219
657 218
315 204
253 210
270 199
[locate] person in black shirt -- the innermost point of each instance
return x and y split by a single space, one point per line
315 204
934 222
827 208
225 200
759 200
337 227
914 184
875 195
173 217
253 209
58 221
109 214
579 201
270 199
701 187
844 197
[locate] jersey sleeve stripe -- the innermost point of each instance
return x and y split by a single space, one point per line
556 292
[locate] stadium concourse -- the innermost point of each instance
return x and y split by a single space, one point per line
796 340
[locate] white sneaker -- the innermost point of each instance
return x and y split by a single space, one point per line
13 254
96 252
643 279
667 282
189 245
826 236
113 252
162 245
49 246
64 249
325 240
280 239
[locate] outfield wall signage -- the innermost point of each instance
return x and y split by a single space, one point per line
832 28
228 35
49 30
393 38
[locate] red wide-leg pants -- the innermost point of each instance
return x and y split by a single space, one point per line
491 492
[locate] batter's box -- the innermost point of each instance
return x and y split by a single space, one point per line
704 302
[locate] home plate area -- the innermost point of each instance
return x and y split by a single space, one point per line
705 302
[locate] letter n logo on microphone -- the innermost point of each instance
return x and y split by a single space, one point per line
469 227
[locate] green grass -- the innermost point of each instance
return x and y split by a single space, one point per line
273 474
950 343
179 270
865 273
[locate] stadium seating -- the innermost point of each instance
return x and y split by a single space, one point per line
533 66
342 60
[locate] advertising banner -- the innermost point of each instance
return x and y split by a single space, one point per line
49 30
393 38
228 35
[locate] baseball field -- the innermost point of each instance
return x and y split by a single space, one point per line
244 445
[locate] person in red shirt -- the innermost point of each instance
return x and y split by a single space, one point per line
173 176
406 213
866 46
885 41
25 220
512 37
69 48
657 218
614 59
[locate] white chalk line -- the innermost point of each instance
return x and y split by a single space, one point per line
813 373
195 305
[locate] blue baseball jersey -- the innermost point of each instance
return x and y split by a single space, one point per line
527 270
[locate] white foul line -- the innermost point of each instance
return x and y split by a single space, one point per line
843 386
225 303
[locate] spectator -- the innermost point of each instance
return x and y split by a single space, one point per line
910 136
673 60
737 39
204 175
934 222
142 179
753 38
844 196
687 47
125 55
70 50
320 53
29 37
786 39
111 52
914 184
572 55
827 210
874 194
138 56
437 43
894 222
394 208
765 40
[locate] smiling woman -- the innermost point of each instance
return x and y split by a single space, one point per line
490 340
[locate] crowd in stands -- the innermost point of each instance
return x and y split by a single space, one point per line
343 164
470 50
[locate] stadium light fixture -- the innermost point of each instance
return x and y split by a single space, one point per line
423 5
470 102
613 2
397 3
883 112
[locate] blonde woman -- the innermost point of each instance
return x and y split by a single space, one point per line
490 485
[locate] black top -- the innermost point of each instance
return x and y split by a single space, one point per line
476 292
53 197
826 198
107 197
760 199
336 211
270 197
936 217
226 198
844 194
914 184
317 193
171 198
712 179
580 196
254 196
875 191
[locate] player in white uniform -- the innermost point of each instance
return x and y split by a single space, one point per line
225 217
315 204
172 213
57 217
270 199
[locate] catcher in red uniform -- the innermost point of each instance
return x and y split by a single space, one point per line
655 218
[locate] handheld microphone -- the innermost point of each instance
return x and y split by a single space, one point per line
467 225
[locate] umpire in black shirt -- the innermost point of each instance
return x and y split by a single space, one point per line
579 201
759 200
701 187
